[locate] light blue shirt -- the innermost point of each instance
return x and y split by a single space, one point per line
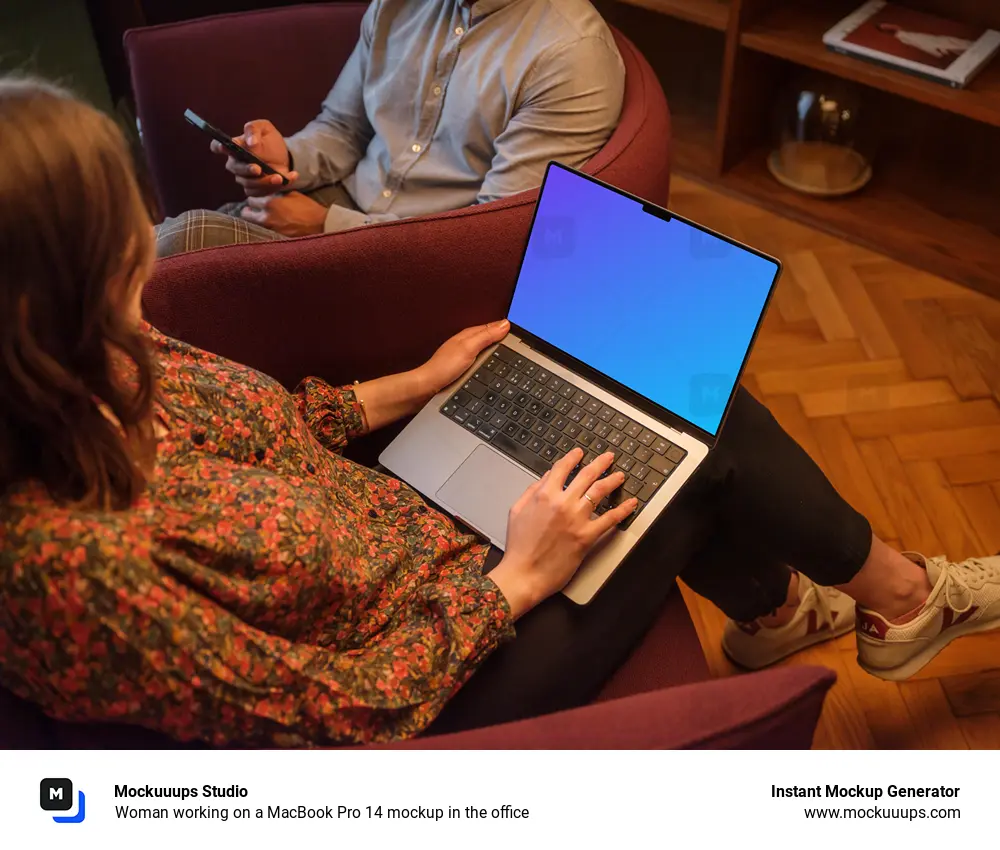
445 104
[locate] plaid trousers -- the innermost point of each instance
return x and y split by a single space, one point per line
196 229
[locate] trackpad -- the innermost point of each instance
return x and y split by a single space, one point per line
482 491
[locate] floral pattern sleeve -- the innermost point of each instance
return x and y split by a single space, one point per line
332 414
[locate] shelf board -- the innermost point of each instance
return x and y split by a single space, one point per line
886 218
707 13
795 31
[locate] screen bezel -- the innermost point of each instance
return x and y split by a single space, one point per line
678 423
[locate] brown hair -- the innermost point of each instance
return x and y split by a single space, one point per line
75 241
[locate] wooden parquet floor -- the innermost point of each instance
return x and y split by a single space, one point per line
890 378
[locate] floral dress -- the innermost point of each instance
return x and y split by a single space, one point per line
263 590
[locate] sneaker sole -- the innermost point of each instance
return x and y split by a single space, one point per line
803 642
914 665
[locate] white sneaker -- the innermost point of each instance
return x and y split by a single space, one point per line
965 599
823 614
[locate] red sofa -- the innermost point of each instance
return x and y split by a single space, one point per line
379 299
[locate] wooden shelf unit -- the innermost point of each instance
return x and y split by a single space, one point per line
934 201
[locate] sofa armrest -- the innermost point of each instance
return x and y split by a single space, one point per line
775 709
276 63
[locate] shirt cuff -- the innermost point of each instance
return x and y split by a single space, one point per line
340 218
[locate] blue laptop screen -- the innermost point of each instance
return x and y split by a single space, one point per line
662 307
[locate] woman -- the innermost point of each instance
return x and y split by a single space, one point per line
183 548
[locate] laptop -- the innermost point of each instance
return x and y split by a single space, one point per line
630 328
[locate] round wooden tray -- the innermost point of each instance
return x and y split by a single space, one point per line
821 153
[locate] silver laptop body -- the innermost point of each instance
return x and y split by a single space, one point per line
470 476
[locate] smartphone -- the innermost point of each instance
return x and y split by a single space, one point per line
237 150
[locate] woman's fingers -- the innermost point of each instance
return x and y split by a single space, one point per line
605 486
562 468
609 520
589 474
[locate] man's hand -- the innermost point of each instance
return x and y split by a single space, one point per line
291 214
263 140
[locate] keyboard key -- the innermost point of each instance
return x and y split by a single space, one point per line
540 391
642 454
515 378
589 422
580 398
593 406
646 492
560 422
505 353
640 471
536 444
615 438
498 385
655 479
572 430
555 384
625 463
660 445
547 414
509 393
515 413
543 377
629 445
632 485
487 431
502 370
482 375
502 405
576 414
522 399
527 420
588 457
490 397
567 392
521 454
498 420
599 446
492 363
633 429
550 398
530 369
662 465
552 435
460 415
565 444
564 406
585 438
646 437
449 407
462 398
518 362
527 385
549 453
540 427
534 407
511 429
676 454
473 423
619 423
474 406
603 429
523 436
606 414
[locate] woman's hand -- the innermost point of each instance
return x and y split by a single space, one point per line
550 529
457 354
395 396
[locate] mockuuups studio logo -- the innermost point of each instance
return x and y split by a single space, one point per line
709 394
553 237
56 795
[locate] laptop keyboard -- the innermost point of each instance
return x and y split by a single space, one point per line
535 418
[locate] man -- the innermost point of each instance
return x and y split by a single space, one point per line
443 104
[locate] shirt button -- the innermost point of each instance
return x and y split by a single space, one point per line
459 30
416 148
437 90
386 193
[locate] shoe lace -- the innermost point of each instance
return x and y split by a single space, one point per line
961 579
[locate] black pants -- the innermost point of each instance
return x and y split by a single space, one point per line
757 507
